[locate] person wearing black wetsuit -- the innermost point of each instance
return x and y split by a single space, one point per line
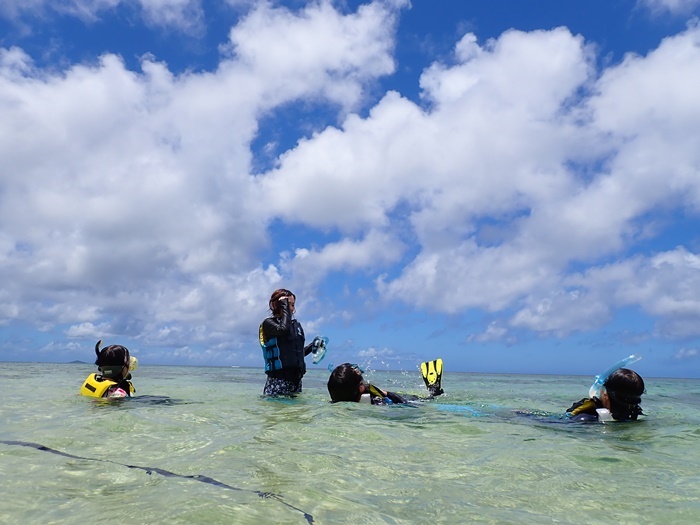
346 383
620 396
282 341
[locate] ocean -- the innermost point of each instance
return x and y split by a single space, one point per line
200 445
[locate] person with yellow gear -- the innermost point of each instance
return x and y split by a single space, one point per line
346 383
114 367
284 347
615 395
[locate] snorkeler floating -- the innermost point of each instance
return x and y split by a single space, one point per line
614 396
113 380
347 383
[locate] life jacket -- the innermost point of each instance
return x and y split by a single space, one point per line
585 406
271 352
97 386
283 352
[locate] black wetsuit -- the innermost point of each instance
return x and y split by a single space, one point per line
285 373
392 398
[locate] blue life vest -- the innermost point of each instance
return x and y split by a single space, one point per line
271 353
284 352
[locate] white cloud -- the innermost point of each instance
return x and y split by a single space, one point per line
374 251
128 204
89 330
489 173
493 332
665 287
685 354
676 7
317 51
128 193
14 8
185 15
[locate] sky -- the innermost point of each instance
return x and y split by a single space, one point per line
513 186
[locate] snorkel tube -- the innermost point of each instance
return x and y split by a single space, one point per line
600 379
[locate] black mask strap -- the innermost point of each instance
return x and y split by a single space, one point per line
97 351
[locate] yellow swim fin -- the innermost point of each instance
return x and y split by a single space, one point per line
432 376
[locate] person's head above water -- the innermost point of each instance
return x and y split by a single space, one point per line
112 361
276 306
346 383
622 394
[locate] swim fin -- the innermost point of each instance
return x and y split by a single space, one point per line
432 375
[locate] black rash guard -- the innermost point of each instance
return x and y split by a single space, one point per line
285 370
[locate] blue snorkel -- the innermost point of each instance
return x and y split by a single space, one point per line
319 351
600 379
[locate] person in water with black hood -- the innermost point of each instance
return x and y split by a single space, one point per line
619 399
283 345
114 367
347 383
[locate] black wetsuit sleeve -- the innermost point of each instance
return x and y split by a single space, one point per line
308 348
584 418
278 326
396 398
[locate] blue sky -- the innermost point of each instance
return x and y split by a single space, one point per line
512 186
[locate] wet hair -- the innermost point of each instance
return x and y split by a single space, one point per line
273 304
344 383
111 360
625 388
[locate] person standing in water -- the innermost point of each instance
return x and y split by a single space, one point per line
283 346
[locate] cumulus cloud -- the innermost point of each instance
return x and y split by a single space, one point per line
323 48
524 163
523 182
375 251
185 15
128 192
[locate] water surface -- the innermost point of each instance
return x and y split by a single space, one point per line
201 446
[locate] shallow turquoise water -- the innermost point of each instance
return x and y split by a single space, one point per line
468 457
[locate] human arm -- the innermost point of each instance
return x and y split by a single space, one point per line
395 398
278 325
380 397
